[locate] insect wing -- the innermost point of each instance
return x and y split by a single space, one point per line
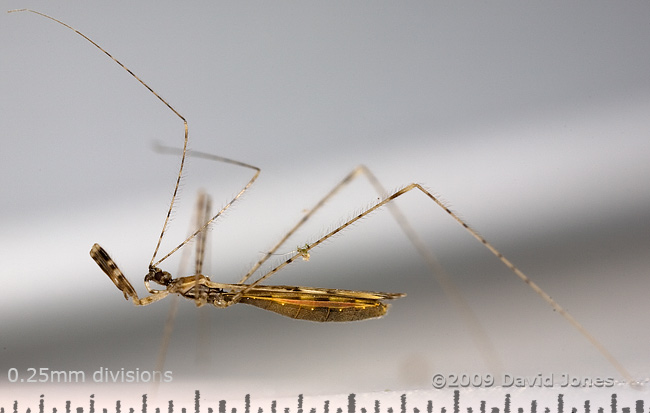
319 304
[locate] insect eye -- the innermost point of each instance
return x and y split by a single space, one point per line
158 276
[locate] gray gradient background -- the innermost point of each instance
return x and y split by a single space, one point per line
530 120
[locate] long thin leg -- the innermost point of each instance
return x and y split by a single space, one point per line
203 327
474 327
206 224
184 151
204 206
303 251
201 214
301 222
203 211
186 134
480 337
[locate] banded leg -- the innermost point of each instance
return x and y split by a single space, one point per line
478 333
538 290
109 267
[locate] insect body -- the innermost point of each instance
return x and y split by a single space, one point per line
304 303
